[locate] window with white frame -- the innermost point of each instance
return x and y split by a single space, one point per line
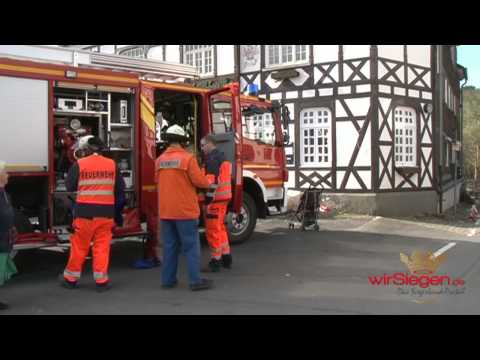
278 55
405 136
134 52
259 127
200 56
316 135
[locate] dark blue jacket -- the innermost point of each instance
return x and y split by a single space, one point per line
213 162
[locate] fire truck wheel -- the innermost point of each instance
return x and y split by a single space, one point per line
244 223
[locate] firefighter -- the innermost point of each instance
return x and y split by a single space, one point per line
97 182
219 173
177 176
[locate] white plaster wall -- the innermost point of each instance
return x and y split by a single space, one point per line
291 180
225 59
366 177
347 137
394 52
173 53
276 96
243 84
352 183
308 93
156 53
325 53
340 176
355 51
359 106
398 178
419 55
364 157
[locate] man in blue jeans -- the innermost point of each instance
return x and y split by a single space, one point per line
178 176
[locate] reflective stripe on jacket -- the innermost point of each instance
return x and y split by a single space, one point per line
96 183
223 186
219 175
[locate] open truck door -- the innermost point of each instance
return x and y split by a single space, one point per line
147 157
226 126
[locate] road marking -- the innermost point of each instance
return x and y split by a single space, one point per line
444 249
361 227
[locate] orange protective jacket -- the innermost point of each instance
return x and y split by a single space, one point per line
221 189
178 175
96 182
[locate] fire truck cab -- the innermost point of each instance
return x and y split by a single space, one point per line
248 130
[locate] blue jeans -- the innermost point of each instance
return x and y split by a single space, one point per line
178 234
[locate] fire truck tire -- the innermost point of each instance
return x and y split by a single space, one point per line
243 229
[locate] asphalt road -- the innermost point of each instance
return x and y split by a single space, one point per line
278 271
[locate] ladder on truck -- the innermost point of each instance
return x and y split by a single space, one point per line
148 69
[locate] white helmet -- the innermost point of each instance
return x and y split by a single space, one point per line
176 130
83 142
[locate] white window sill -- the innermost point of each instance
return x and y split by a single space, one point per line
314 165
286 66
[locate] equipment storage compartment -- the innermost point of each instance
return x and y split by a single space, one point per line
121 141
81 110
24 124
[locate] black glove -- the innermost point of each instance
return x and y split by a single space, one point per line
210 194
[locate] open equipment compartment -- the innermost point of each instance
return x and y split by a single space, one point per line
105 112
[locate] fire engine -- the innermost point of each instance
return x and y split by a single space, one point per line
49 97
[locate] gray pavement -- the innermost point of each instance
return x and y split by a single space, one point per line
278 271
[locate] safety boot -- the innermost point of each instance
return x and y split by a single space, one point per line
214 265
227 261
103 287
70 285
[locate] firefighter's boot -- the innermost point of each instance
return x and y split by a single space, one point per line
102 287
227 261
214 265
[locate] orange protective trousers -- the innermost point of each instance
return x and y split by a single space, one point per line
98 231
216 231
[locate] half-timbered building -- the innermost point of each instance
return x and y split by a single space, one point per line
379 126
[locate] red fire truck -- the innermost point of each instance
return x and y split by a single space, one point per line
49 97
